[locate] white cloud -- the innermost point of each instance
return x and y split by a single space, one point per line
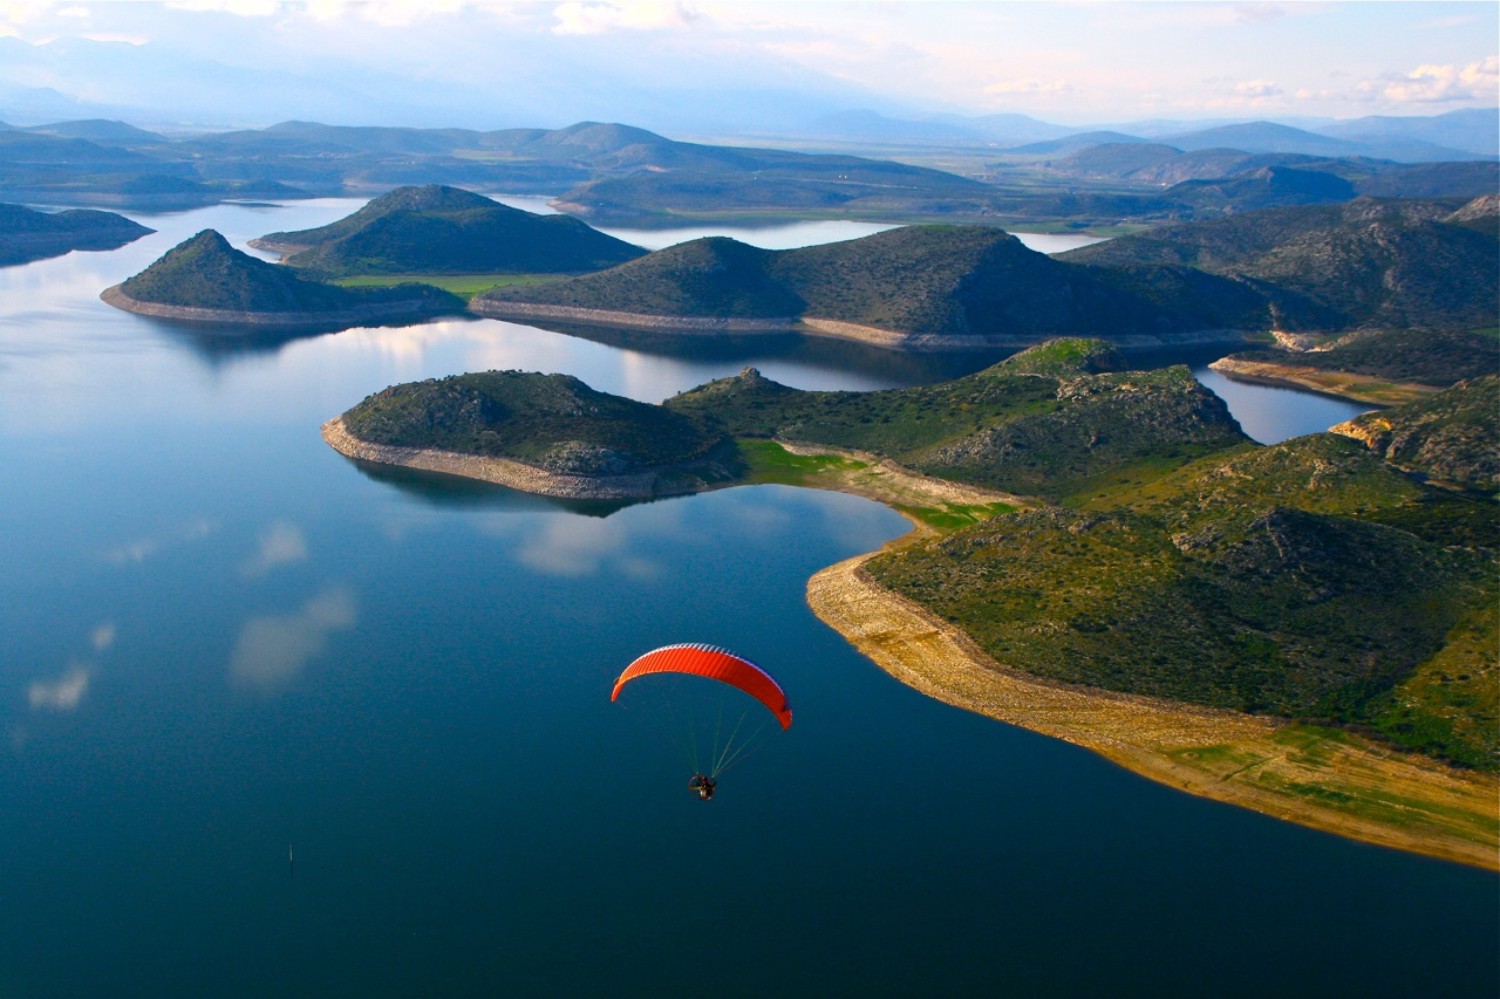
280 544
272 652
62 694
1433 84
582 18
1257 89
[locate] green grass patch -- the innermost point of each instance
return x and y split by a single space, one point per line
955 516
770 463
465 285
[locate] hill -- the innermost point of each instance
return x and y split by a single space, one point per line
1435 358
1038 424
206 274
1263 580
1388 263
1449 437
27 234
549 434
943 283
444 230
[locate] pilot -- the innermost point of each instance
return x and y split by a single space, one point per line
703 786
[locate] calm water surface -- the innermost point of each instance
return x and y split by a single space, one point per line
219 639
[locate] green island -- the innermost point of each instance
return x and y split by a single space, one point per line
1306 629
27 234
205 280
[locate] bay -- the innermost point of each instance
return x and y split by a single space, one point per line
221 642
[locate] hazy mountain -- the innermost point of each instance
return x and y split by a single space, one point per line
1073 143
1470 130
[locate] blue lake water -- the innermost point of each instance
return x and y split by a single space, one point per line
219 639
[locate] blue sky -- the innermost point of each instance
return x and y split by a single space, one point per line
653 63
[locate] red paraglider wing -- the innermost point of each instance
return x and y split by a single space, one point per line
716 664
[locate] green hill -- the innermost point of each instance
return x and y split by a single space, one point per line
1306 580
1450 436
1385 263
924 280
27 234
444 230
205 272
552 421
1056 435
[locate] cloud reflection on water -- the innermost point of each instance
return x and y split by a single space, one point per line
272 652
140 549
62 694
280 544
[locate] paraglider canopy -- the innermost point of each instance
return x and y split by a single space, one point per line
716 664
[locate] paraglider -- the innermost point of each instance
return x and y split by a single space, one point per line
714 663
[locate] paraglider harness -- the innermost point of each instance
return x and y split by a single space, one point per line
703 785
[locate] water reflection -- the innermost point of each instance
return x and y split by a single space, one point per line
271 652
454 492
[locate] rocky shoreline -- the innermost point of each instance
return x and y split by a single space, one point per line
645 484
373 313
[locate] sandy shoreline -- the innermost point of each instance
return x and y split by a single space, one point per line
1397 800
1340 384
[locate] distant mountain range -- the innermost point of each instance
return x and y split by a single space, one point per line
1455 135
619 174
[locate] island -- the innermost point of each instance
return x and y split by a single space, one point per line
1306 629
27 234
204 280
437 229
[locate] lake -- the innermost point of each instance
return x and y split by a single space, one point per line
279 724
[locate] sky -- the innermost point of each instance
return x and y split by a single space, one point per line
740 65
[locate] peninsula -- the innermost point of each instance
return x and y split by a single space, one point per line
1304 629
205 280
27 234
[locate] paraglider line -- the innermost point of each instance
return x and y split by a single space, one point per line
728 759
